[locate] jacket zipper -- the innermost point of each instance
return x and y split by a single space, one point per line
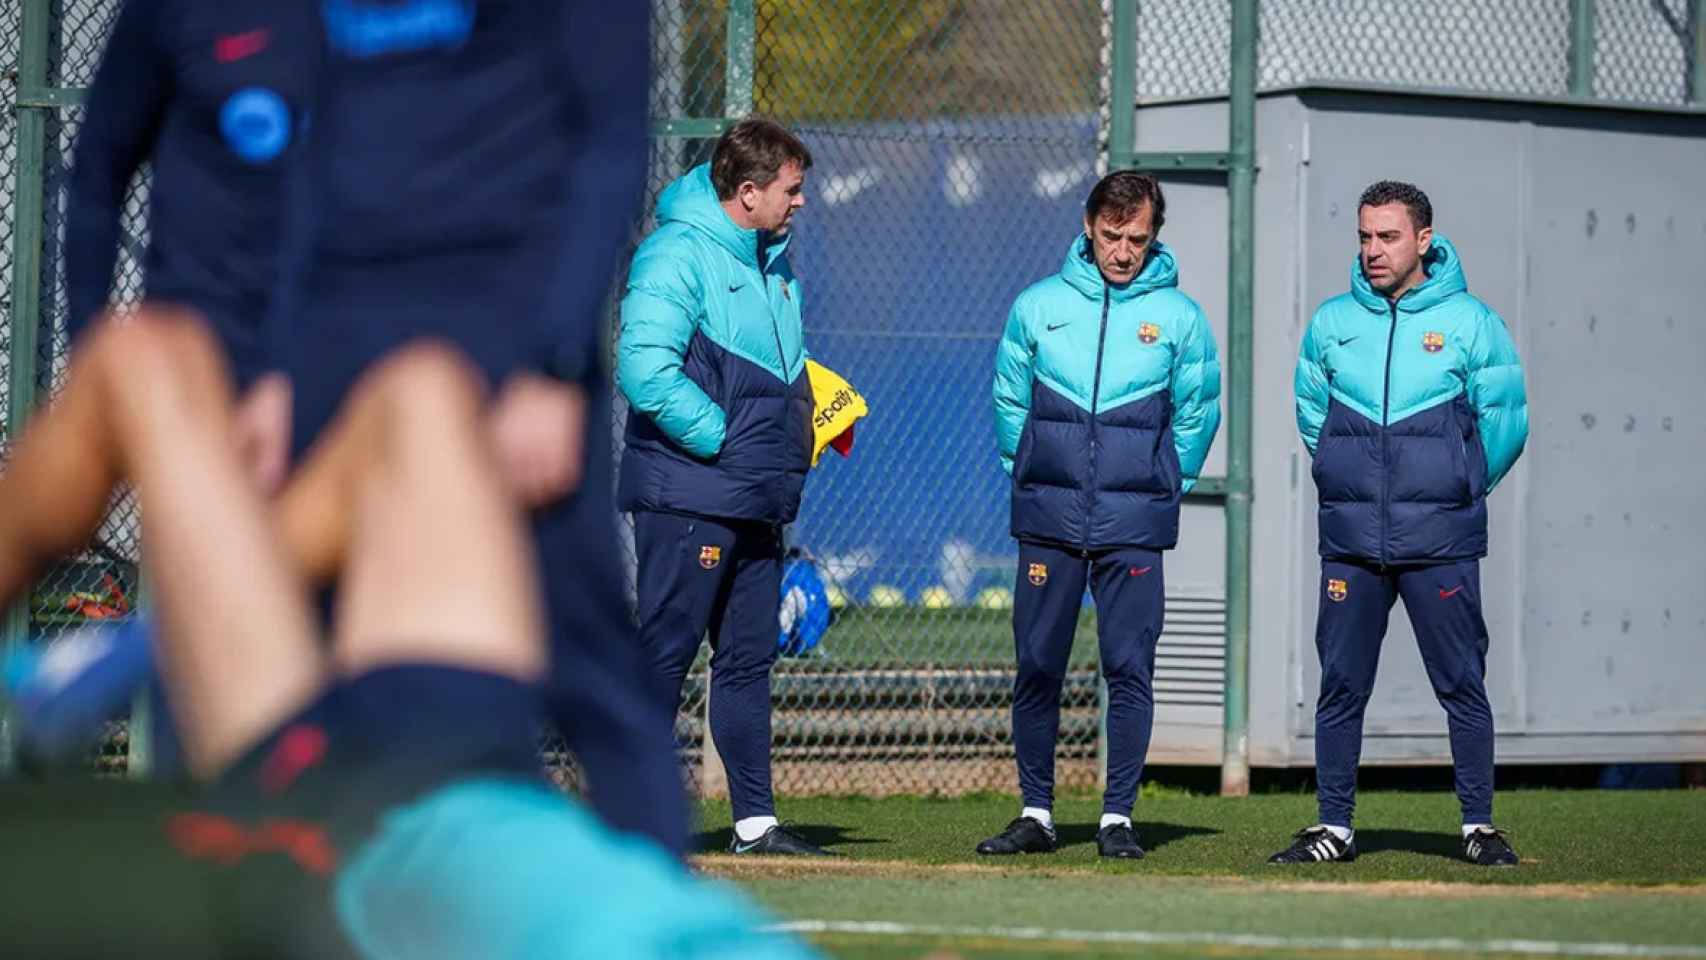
1095 398
1385 447
781 355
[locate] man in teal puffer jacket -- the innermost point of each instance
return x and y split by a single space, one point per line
1107 390
1410 400
712 361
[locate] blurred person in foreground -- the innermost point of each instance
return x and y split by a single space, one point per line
1107 399
712 361
1411 402
213 98
377 795
474 173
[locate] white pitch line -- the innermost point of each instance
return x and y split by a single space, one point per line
1546 948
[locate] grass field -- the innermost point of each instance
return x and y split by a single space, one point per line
960 636
1604 874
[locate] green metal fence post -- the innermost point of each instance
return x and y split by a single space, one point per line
27 204
1122 146
1581 48
1696 41
743 37
1122 86
1241 184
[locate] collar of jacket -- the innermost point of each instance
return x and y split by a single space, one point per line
692 200
1081 273
1445 278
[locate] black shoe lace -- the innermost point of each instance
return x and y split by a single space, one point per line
1018 824
786 828
1492 838
1303 841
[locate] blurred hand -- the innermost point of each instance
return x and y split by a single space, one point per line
539 435
263 431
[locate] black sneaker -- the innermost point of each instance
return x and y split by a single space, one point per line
1314 845
778 841
1118 840
1487 847
1023 835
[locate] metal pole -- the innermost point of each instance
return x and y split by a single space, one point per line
737 78
1581 48
26 280
1241 186
1122 88
1696 40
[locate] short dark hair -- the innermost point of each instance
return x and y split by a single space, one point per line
1122 193
1397 191
755 149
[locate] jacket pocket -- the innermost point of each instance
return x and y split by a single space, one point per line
1022 456
1471 462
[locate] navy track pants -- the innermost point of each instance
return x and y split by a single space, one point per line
1444 604
698 575
1126 584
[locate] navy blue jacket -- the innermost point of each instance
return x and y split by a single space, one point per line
712 361
1107 399
212 96
473 170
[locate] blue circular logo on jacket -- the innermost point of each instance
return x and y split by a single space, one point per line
256 124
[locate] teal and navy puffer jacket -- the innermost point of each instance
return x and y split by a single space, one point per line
1413 412
1106 402
712 361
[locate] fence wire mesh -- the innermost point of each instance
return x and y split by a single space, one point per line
954 142
1641 50
1513 47
944 182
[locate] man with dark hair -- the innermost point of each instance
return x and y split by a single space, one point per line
1107 388
1411 402
712 360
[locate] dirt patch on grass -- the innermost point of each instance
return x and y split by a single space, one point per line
784 868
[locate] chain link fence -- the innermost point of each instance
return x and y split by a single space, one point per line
1511 47
945 181
11 37
955 140
104 582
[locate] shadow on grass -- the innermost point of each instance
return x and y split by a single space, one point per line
829 837
1151 836
1446 845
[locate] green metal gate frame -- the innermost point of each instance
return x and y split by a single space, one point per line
1233 491
34 99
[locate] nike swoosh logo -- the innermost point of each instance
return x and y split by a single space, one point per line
1342 341
1448 594
735 286
1140 571
747 847
1056 326
240 46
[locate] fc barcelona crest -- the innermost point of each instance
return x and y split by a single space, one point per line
1149 333
710 556
1039 574
1433 342
1337 591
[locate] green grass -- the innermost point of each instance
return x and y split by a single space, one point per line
1621 868
961 636
1629 837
